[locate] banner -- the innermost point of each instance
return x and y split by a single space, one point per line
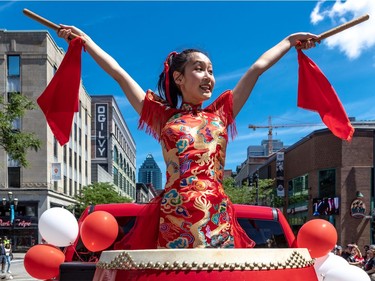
56 171
280 189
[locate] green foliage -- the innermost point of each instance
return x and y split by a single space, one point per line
238 195
15 142
97 193
247 194
297 198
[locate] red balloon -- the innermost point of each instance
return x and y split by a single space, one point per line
98 231
318 236
43 261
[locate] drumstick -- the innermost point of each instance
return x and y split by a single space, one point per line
45 22
342 27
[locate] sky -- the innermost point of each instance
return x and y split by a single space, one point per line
140 34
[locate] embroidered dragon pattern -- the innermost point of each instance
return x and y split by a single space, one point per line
194 211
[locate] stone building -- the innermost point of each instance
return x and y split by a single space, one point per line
28 61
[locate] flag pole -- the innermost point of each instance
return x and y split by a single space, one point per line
45 22
342 27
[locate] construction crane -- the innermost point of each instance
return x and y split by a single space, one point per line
270 127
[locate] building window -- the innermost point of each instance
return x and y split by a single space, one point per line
327 183
55 148
14 173
64 154
70 157
75 132
70 187
14 176
13 73
115 176
80 165
115 155
14 65
75 161
299 185
65 185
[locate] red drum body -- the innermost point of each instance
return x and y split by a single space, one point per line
206 264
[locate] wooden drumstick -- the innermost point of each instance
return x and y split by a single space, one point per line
342 27
45 22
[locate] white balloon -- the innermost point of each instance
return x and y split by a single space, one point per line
350 273
323 264
58 227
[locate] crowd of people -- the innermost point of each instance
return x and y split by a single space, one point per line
354 256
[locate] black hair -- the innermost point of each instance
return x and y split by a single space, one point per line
176 63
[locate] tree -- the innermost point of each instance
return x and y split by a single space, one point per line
15 142
247 194
238 195
97 193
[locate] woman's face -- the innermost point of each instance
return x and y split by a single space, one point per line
197 81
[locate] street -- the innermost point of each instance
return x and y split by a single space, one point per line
17 269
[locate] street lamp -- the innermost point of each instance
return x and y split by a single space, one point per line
13 203
255 180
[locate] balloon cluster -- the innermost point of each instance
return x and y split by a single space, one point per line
319 237
59 228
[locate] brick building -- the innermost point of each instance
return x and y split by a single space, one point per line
323 170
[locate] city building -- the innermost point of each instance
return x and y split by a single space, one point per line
264 148
145 192
113 153
28 61
328 178
149 172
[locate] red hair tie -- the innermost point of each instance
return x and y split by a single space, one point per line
166 73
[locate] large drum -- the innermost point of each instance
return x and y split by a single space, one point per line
206 264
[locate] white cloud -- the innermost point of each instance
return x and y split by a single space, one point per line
352 41
6 5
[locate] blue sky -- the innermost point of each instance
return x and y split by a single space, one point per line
139 35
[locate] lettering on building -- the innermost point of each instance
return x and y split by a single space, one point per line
101 130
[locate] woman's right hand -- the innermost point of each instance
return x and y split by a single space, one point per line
65 31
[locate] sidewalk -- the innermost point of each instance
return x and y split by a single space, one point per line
19 256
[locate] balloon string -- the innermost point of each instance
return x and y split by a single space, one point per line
78 255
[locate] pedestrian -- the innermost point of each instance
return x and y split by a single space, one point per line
346 254
356 256
365 249
2 256
193 211
8 253
369 265
338 250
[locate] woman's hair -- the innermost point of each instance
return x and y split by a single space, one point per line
167 87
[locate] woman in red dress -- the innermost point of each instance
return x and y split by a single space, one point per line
193 211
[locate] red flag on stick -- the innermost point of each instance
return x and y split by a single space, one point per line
60 99
317 94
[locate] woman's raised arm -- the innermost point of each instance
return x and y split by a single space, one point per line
242 90
132 90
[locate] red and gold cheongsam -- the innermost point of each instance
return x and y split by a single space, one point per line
194 210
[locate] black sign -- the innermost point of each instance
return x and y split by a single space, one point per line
101 130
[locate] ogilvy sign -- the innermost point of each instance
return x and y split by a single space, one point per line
101 130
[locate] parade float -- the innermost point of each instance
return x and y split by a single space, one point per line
308 257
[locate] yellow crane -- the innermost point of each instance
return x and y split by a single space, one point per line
270 127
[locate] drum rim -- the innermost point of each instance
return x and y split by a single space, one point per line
206 259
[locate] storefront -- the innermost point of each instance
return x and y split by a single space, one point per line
23 230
